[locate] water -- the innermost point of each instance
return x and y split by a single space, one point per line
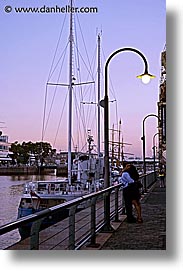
11 188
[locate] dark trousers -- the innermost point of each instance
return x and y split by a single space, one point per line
162 181
128 202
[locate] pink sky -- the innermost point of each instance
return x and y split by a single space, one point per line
27 46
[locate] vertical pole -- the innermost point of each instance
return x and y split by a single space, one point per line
34 235
98 106
99 71
112 157
122 153
154 158
70 95
119 142
154 153
106 131
93 224
107 227
72 228
144 160
116 217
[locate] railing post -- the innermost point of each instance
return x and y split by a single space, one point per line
155 176
145 183
34 235
72 228
123 211
93 224
107 225
116 217
142 181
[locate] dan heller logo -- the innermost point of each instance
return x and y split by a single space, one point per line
55 9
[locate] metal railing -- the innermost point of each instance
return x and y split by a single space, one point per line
85 219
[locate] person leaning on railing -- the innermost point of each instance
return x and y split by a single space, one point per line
130 183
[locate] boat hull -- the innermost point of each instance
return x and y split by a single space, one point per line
51 219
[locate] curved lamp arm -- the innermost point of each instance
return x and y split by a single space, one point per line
145 119
145 76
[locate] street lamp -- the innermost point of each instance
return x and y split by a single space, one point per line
143 146
145 79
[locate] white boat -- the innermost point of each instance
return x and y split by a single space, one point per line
40 195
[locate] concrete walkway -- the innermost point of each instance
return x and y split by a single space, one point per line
151 234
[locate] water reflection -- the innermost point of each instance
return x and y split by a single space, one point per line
11 188
15 178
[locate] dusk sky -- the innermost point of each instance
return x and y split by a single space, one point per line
28 42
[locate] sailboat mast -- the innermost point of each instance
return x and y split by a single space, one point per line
119 139
70 94
99 71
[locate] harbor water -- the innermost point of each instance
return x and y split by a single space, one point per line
11 188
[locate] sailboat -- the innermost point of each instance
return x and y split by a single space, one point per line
87 168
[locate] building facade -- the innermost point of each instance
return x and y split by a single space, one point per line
162 110
4 149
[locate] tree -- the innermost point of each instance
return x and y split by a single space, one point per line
22 152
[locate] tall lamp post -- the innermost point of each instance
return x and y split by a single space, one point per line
145 79
143 146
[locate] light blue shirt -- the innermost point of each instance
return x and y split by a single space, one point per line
125 179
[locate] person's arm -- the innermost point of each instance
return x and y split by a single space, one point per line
126 168
127 177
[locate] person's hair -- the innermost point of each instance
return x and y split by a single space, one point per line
133 172
125 164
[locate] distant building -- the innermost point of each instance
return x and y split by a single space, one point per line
61 158
4 149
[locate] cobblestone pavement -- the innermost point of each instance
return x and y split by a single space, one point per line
151 234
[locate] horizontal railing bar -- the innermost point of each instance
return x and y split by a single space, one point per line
44 213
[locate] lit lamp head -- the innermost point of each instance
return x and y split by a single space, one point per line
146 77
